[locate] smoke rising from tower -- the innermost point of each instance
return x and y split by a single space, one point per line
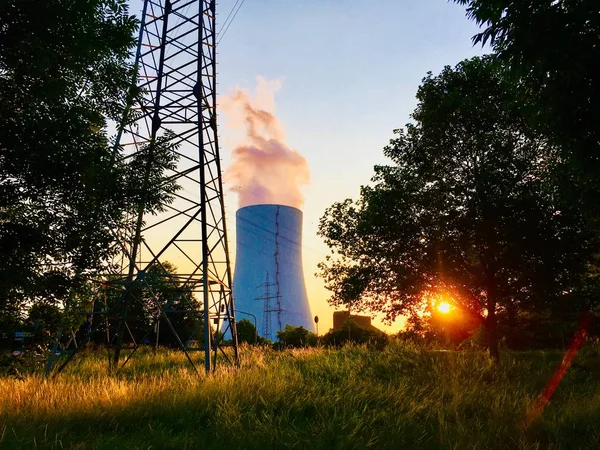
264 170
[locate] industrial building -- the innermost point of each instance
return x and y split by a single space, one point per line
341 317
269 279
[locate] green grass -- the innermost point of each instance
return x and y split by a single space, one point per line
352 398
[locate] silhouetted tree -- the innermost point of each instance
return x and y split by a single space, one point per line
468 208
159 292
296 337
45 320
552 49
247 332
65 72
162 288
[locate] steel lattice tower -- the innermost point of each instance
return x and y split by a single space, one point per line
176 61
268 309
176 75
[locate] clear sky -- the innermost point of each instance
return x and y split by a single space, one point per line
350 70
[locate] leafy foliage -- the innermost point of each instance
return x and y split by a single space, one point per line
247 332
65 191
352 332
552 49
467 209
46 321
158 290
162 288
296 337
449 330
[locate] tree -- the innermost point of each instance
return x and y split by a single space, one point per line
45 320
553 46
552 49
159 292
65 192
296 337
467 210
162 289
447 327
246 332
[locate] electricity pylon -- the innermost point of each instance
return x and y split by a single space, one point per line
176 74
268 308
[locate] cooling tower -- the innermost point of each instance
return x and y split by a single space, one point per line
268 279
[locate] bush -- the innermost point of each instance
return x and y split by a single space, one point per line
352 332
246 332
296 337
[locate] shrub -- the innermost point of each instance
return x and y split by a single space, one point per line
296 337
353 332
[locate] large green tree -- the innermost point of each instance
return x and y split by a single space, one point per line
467 209
65 75
552 48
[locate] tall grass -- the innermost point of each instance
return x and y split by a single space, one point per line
353 398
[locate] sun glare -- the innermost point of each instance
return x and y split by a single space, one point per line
444 307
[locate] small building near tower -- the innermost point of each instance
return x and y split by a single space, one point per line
341 317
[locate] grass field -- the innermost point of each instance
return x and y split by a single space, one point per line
353 398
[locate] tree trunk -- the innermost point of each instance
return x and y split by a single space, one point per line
512 326
491 326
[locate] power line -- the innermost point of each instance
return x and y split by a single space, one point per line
227 25
228 16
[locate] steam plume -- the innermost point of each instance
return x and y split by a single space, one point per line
264 169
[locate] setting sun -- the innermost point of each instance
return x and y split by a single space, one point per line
444 307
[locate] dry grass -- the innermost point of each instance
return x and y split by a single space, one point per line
356 397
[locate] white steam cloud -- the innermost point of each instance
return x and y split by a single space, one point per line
264 169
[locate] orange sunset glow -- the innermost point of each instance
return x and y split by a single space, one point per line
444 307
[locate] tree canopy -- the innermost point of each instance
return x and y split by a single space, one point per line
468 209
292 336
66 71
552 49
247 332
158 295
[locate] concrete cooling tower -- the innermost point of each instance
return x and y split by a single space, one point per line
268 279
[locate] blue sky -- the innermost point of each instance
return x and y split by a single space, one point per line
350 70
